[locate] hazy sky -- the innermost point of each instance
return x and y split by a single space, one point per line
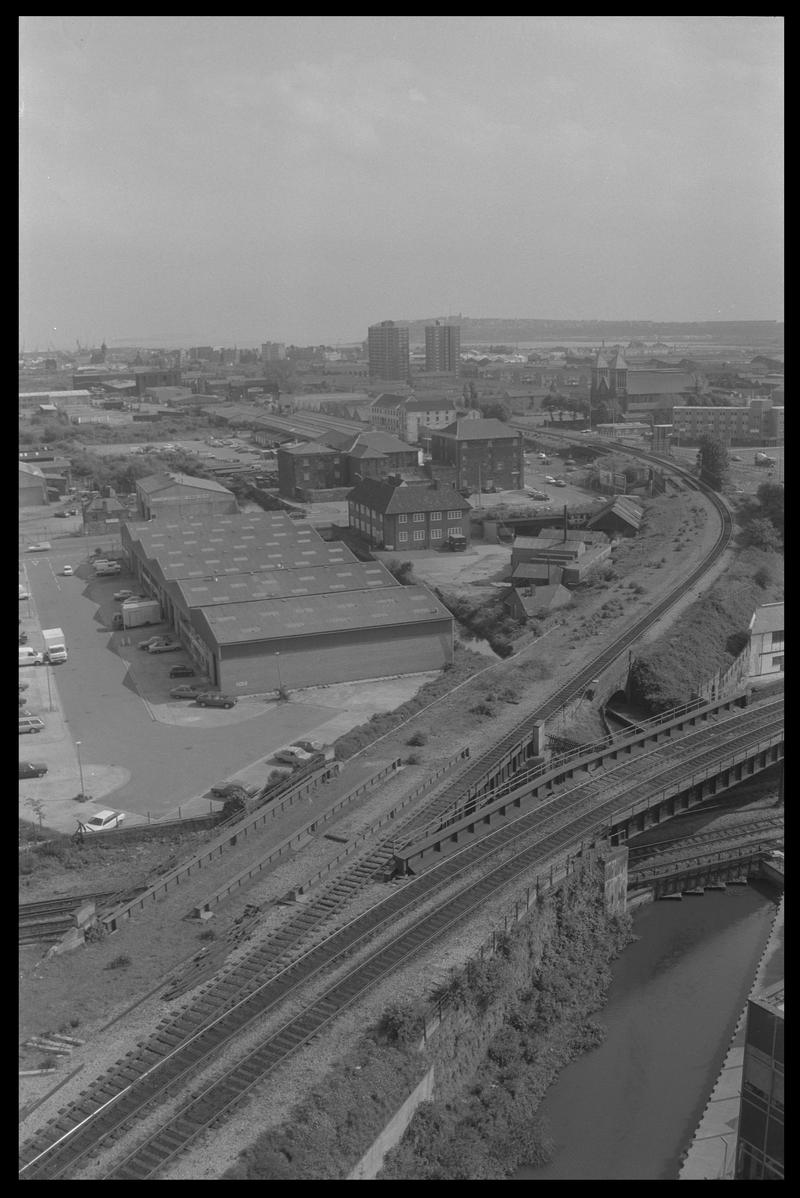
211 180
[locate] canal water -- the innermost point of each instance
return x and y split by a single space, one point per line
629 1109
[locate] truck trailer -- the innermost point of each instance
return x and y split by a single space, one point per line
55 645
140 613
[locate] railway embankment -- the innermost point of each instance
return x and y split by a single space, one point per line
494 1034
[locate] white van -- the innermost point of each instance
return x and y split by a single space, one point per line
30 657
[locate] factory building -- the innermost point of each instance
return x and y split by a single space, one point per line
262 604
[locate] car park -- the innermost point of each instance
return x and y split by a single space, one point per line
32 769
30 723
102 821
68 571
165 647
182 672
212 699
185 692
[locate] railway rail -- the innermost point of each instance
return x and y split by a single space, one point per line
133 1084
743 831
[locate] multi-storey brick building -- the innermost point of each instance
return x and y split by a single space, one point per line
442 347
340 460
396 515
408 417
484 454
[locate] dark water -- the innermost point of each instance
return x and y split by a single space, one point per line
629 1108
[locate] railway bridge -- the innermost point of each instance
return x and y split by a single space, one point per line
622 785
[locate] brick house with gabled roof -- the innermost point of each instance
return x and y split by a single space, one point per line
484 452
400 516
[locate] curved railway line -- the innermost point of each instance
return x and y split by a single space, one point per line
218 1016
744 831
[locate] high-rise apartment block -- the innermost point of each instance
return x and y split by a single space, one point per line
760 1141
388 351
273 351
442 347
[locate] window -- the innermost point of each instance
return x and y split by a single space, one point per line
402 519
419 534
403 536
777 662
419 517
436 515
455 529
777 640
436 534
454 515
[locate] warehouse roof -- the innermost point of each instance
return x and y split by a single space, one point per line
434 404
306 448
478 430
660 382
276 619
386 400
376 440
622 507
768 618
386 497
334 577
29 468
151 484
527 572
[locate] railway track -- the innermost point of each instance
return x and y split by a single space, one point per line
128 1088
141 1079
743 831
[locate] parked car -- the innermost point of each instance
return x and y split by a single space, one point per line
22 637
40 547
151 640
735 457
32 769
60 515
182 672
120 596
294 757
185 692
548 478
68 571
29 656
103 820
23 592
165 647
30 723
212 699
559 482
227 790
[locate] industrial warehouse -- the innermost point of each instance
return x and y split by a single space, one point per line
262 604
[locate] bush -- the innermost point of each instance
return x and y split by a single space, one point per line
400 1023
120 962
419 738
482 709
207 934
413 759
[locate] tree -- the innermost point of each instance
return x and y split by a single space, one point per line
771 500
762 534
496 410
712 458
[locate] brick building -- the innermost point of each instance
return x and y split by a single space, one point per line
408 515
483 453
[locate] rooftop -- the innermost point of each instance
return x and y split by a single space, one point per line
620 506
478 430
768 618
230 624
387 497
152 483
283 584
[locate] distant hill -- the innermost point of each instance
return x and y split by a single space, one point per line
514 330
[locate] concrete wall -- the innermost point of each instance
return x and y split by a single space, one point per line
336 657
370 1163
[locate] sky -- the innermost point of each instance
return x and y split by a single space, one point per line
220 181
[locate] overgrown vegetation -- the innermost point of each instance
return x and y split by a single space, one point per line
544 998
489 620
708 636
465 664
762 519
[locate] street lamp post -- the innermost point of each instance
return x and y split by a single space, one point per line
278 667
80 766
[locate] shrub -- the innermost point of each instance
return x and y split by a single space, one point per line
120 962
48 1063
400 1023
762 578
419 738
482 709
207 934
413 759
